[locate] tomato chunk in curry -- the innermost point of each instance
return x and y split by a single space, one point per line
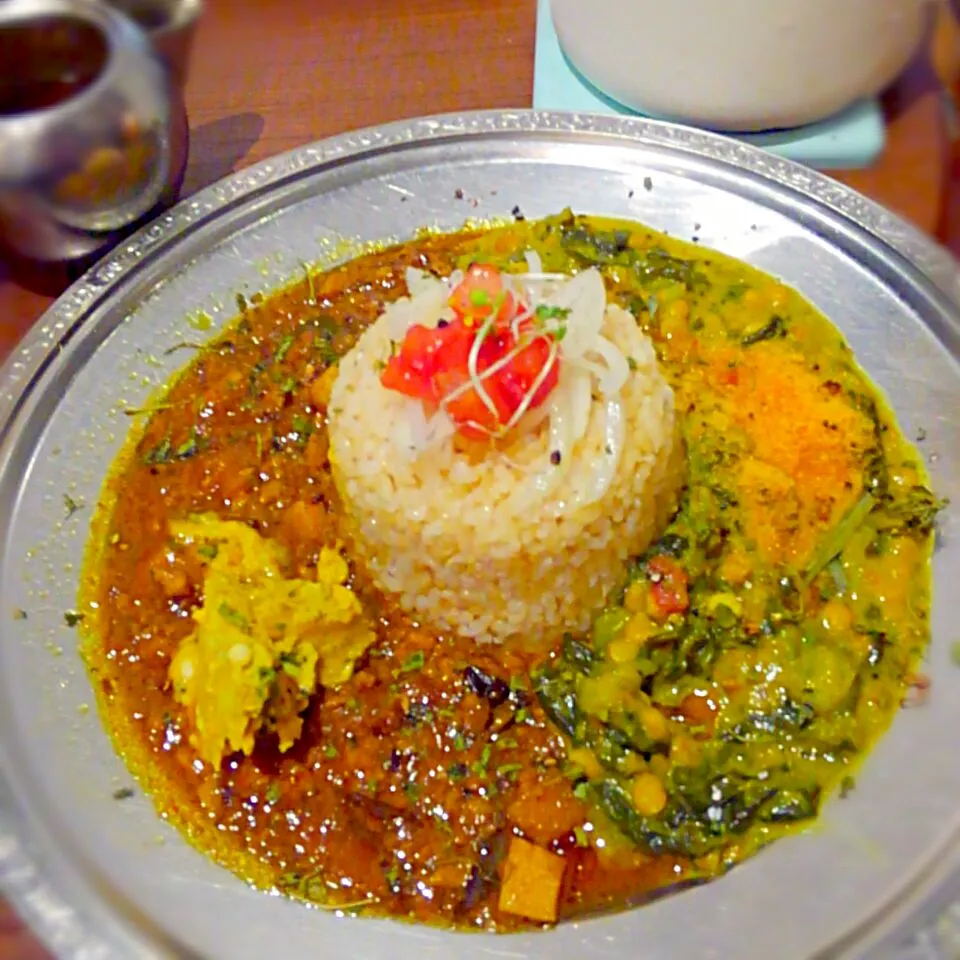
752 656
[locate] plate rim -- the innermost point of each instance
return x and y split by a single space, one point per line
52 918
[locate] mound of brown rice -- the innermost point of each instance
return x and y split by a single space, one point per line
457 539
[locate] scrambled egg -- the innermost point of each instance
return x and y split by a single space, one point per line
262 643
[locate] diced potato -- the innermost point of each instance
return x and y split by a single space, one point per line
532 878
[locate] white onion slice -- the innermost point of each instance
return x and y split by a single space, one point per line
420 282
609 458
541 482
585 296
580 400
411 438
439 428
618 370
534 263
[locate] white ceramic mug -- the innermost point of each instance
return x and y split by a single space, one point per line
740 64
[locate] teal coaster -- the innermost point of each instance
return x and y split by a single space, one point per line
852 139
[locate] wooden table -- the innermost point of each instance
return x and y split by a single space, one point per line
268 77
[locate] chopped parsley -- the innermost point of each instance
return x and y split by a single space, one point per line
285 344
414 662
546 312
234 617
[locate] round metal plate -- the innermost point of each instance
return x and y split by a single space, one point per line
100 878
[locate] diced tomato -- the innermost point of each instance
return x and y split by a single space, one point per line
396 376
468 408
479 291
410 370
454 352
424 351
668 585
519 376
433 363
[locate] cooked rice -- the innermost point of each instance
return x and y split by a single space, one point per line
437 530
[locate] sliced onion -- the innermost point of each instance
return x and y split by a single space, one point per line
618 370
439 428
411 437
580 401
605 466
534 263
585 296
420 281
542 481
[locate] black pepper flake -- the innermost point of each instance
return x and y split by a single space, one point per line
442 323
921 435
124 793
629 194
458 193
647 183
517 214
555 457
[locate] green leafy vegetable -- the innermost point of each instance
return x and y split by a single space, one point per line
835 541
775 327
911 514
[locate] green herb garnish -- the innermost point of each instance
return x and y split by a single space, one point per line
414 662
208 551
234 617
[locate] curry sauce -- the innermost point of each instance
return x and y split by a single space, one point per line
753 655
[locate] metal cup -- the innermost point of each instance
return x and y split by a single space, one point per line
93 132
170 25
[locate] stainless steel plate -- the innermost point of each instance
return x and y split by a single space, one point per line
101 879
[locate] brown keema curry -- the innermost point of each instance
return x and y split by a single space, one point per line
287 714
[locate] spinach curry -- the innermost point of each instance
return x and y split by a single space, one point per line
750 659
